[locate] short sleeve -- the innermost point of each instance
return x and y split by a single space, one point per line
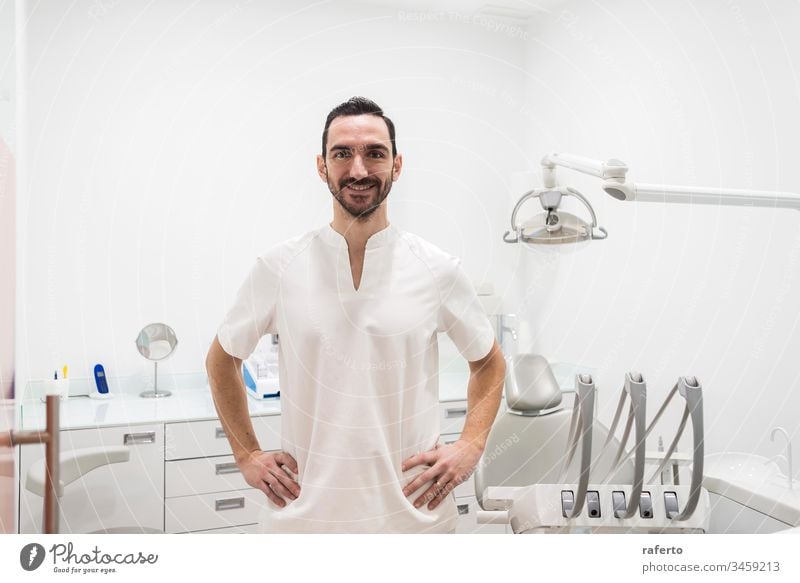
253 312
461 315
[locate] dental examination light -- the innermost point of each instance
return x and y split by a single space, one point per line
556 226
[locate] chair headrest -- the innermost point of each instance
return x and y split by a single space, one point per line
531 385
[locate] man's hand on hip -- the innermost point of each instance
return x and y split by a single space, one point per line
450 466
270 473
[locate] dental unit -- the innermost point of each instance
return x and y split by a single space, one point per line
539 485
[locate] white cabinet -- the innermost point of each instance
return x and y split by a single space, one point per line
204 489
128 495
181 477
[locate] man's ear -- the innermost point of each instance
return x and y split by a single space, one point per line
322 169
397 167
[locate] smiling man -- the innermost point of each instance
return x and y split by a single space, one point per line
358 305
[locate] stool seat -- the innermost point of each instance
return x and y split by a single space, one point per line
75 464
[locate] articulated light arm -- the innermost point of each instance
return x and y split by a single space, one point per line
613 174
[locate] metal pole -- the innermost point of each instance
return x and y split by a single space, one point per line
50 437
52 466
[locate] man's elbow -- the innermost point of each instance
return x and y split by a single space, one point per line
212 355
217 358
493 363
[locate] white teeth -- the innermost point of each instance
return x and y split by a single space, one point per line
352 187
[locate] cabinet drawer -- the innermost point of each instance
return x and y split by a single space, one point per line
207 511
195 439
202 476
452 415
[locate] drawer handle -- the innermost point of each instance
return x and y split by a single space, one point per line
228 468
139 438
450 441
228 504
220 433
463 508
456 412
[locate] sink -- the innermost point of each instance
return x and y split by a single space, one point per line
753 481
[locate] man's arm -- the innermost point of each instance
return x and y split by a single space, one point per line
261 470
453 464
484 391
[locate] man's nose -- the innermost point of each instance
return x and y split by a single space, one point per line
358 170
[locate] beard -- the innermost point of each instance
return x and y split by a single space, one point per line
361 208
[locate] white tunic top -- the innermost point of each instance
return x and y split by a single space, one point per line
358 372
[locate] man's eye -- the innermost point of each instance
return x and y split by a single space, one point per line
341 154
376 154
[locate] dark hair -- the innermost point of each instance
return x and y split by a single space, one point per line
357 106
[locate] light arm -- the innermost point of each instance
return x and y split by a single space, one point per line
613 174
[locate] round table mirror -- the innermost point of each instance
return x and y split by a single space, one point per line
156 342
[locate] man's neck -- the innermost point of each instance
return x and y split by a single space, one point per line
355 231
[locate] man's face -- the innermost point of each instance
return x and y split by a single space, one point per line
358 165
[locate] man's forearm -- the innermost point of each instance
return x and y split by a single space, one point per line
230 399
483 396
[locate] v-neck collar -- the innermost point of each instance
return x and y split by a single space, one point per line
377 239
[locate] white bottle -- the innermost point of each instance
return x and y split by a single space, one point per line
271 357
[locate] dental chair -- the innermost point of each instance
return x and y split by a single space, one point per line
530 478
75 464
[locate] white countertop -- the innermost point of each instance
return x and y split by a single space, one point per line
191 401
187 403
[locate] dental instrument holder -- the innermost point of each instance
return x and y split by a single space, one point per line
581 430
635 388
542 507
690 389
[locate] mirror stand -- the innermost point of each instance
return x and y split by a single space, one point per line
155 394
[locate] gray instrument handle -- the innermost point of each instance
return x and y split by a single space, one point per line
586 392
692 391
636 387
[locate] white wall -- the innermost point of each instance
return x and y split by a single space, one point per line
685 93
171 142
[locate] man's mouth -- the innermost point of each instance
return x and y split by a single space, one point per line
360 188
